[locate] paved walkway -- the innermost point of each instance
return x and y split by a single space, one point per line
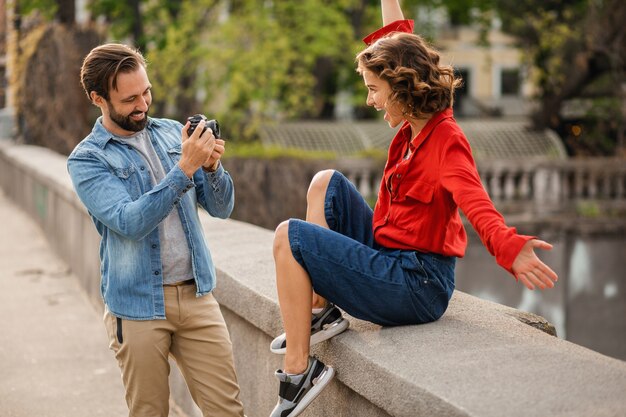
54 356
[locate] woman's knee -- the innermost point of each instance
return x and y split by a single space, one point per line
319 184
281 238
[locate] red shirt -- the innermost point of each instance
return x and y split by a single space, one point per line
419 197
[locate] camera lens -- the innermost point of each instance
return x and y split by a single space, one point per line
212 124
215 127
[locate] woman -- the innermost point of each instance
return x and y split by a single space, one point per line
393 265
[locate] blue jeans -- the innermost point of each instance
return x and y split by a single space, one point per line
347 267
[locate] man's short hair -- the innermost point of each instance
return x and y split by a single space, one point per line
104 63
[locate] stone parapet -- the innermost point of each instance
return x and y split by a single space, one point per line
481 359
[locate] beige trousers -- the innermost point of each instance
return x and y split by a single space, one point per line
196 336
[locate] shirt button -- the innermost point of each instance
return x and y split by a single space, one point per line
154 246
142 168
129 147
398 175
156 272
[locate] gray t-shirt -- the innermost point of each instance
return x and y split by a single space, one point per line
175 254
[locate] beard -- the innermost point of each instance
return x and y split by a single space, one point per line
125 122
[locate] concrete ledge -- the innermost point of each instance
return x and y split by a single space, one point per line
480 359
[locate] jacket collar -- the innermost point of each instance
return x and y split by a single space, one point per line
101 136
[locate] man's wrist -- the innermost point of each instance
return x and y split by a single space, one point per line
185 169
212 168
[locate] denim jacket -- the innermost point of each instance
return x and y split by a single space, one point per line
113 182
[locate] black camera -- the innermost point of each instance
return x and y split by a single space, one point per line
212 124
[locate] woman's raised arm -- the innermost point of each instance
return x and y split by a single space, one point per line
391 11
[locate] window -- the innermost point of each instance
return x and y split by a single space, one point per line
462 92
510 82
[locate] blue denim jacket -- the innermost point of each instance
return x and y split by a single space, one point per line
113 182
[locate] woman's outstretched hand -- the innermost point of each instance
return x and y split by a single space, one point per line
530 270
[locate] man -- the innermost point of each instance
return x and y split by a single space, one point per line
141 180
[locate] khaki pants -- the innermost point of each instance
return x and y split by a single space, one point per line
196 336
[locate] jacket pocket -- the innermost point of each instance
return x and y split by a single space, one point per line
420 191
124 172
131 179
411 210
175 153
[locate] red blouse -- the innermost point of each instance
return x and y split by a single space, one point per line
419 197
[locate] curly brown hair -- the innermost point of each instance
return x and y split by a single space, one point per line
411 67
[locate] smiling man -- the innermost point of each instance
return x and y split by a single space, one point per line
142 179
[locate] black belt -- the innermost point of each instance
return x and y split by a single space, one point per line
179 283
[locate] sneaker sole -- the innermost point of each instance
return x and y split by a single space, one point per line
331 330
322 380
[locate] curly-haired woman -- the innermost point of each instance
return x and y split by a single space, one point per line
393 265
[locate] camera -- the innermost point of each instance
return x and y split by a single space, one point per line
212 124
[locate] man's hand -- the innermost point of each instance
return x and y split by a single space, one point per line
530 270
197 148
212 162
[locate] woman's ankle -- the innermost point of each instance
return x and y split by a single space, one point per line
296 367
318 302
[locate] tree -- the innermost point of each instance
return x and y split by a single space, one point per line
45 57
578 54
250 62
278 61
245 61
124 19
64 11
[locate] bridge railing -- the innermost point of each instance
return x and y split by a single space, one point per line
538 186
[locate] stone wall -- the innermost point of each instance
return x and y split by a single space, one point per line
480 359
270 191
588 254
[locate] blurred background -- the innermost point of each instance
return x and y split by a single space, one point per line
543 104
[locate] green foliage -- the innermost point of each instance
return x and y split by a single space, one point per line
256 149
126 20
603 116
176 55
245 62
118 14
264 58
460 12
575 49
589 209
47 8
549 36
376 154
250 62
